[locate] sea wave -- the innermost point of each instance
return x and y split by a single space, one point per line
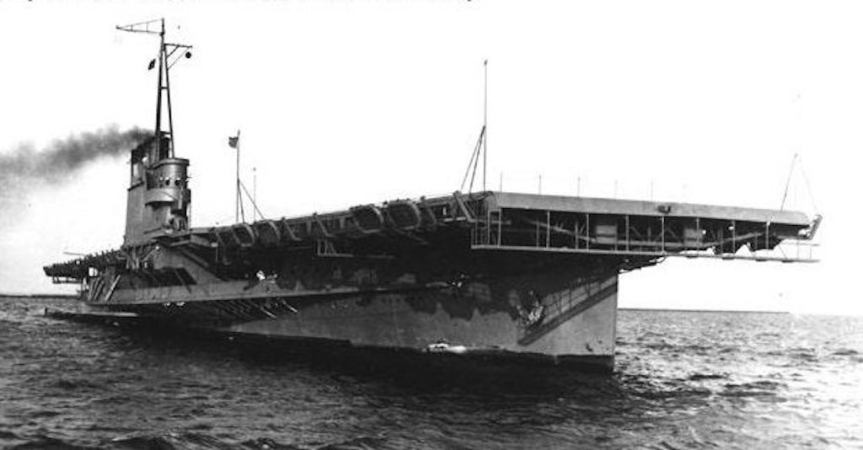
683 380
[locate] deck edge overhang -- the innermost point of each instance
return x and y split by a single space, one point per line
598 205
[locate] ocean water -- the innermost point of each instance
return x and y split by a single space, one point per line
683 380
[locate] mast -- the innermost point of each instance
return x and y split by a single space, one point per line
485 122
168 95
481 147
167 50
159 88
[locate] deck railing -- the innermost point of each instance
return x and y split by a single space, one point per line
621 234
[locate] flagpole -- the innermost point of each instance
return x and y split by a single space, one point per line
238 199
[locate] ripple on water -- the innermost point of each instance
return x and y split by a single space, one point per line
683 380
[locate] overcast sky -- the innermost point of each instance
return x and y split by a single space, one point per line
349 102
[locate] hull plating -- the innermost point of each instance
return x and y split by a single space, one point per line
544 316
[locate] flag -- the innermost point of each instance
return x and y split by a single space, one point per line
233 141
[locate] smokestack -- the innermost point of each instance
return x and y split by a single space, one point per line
63 158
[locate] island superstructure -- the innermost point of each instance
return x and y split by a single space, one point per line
478 273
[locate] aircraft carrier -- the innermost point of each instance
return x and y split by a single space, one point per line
490 274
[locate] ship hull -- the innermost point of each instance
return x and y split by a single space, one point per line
550 318
436 322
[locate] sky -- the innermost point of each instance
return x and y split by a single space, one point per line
351 102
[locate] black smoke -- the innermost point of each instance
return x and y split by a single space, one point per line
63 158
